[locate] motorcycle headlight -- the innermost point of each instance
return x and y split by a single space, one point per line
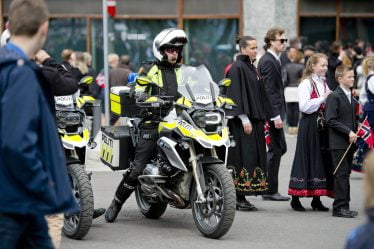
199 118
208 121
68 119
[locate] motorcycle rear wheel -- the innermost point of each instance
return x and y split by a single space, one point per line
76 226
215 217
149 210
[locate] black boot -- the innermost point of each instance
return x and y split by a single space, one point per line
113 210
243 204
317 205
296 204
98 212
122 194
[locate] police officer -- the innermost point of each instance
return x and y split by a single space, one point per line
168 49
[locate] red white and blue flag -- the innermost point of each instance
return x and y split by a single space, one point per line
267 133
366 134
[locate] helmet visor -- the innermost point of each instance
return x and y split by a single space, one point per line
174 49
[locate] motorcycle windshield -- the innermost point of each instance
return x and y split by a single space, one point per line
197 85
64 102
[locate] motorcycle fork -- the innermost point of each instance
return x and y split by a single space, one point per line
197 171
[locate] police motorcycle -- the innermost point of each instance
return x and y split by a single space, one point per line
75 136
186 171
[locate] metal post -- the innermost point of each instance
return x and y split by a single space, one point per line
106 69
1 16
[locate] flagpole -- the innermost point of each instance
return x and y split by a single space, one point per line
341 160
346 151
106 66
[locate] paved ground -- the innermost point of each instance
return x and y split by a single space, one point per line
274 226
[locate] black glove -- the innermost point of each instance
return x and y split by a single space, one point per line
141 96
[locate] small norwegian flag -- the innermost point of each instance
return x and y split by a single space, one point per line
267 133
365 133
100 80
111 7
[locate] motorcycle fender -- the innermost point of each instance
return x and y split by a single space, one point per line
205 160
72 160
209 160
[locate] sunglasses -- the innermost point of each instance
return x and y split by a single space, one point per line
173 50
281 40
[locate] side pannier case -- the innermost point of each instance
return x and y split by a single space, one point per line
120 102
116 149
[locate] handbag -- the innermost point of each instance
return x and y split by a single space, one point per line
321 120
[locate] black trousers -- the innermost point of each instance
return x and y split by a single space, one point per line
292 114
341 178
144 151
277 148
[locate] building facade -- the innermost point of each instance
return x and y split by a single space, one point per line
210 24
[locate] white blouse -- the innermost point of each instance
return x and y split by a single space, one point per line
363 94
306 104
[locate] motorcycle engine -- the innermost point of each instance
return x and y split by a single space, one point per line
151 169
161 168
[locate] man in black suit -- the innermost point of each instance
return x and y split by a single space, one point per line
270 68
340 117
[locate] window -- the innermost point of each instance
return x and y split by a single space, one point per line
318 30
65 33
131 37
211 42
353 28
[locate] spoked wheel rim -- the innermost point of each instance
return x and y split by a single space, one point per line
209 214
142 200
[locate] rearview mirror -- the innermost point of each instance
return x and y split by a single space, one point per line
226 82
86 80
143 81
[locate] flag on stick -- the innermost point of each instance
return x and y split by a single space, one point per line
267 133
366 134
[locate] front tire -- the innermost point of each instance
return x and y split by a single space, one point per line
149 210
215 217
76 226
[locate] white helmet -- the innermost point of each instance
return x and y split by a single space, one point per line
5 36
172 37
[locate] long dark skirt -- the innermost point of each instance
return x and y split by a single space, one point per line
311 173
248 158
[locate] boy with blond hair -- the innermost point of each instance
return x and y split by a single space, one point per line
340 117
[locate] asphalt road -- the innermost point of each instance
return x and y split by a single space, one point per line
274 226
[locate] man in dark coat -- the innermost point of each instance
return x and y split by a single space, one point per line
334 60
61 80
118 76
248 158
33 176
270 68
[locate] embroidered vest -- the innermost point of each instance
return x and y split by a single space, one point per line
315 94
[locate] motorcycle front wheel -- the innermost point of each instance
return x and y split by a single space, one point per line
76 226
214 217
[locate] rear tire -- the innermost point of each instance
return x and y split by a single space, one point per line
149 210
76 226
215 217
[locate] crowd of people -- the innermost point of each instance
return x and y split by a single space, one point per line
315 94
321 97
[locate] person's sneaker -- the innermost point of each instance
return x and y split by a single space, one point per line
98 212
275 197
113 211
344 213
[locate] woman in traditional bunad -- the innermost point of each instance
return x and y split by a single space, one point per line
311 170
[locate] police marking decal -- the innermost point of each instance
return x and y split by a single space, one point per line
185 125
